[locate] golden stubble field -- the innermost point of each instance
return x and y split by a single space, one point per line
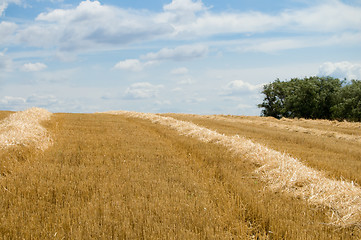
106 176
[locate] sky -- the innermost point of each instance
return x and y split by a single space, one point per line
182 56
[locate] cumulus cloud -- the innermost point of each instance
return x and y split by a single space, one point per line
184 5
179 71
180 53
341 70
133 65
239 87
33 67
129 64
180 12
69 29
142 90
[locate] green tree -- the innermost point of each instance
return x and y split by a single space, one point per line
311 97
348 102
301 97
274 102
328 91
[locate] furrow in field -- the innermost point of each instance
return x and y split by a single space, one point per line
281 171
24 128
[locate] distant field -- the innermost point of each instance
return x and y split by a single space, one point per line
122 176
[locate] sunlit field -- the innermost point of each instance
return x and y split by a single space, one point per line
124 175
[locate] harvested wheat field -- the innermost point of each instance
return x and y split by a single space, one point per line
126 175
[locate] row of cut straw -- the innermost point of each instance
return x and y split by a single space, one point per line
281 171
291 128
24 128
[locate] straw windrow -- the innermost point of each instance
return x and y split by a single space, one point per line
294 127
281 171
333 123
23 128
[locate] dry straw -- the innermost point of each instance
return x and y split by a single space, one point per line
282 172
343 124
295 128
24 128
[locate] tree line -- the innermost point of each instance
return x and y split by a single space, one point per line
313 98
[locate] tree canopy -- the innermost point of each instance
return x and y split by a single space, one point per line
313 97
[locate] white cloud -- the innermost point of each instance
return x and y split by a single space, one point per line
340 17
184 5
129 64
42 36
341 70
87 27
223 23
180 71
180 12
133 65
6 64
33 67
275 44
180 53
239 87
6 31
142 90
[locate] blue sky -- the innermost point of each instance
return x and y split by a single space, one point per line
192 56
